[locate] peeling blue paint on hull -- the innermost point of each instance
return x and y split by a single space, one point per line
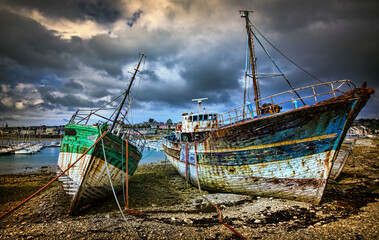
287 155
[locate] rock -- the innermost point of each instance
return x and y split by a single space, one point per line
319 213
188 221
257 221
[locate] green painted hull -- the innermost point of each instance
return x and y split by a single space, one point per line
87 181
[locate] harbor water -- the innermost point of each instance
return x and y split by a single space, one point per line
20 163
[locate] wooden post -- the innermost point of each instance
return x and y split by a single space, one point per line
127 175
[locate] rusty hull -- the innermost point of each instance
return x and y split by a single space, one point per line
287 155
87 181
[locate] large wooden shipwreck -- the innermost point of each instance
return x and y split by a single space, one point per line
95 165
281 146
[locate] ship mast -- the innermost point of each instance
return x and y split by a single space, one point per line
126 93
245 14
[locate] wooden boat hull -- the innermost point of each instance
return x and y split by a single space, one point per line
87 181
341 160
286 155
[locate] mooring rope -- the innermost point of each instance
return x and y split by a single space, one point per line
34 194
114 193
126 174
110 180
214 205
122 178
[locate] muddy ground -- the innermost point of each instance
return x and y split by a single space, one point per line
175 210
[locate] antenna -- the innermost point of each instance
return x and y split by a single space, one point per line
244 13
199 100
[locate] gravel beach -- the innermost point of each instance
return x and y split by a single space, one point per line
173 209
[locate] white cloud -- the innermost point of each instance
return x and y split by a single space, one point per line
65 28
5 88
7 101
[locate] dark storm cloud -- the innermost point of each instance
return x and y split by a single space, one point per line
105 53
102 11
6 119
284 16
132 20
331 39
69 100
72 86
213 72
28 43
208 76
199 45
29 53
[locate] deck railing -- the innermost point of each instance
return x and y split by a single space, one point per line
285 101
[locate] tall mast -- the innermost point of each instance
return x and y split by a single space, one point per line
245 14
126 93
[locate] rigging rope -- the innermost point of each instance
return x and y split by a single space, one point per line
246 89
34 194
114 193
310 74
214 205
277 67
110 180
122 167
107 104
127 173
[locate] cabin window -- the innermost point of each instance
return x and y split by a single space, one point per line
200 117
194 118
190 119
205 117
70 132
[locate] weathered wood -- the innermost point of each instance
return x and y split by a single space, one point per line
87 181
286 155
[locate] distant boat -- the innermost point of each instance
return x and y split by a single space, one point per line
23 150
87 181
281 146
55 144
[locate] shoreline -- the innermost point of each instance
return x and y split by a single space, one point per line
175 210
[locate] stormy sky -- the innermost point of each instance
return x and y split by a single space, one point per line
57 56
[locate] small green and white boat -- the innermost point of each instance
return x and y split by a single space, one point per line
102 165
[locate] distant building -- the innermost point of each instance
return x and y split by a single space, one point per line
50 130
27 131
358 131
41 130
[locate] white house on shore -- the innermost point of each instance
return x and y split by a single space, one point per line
361 131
